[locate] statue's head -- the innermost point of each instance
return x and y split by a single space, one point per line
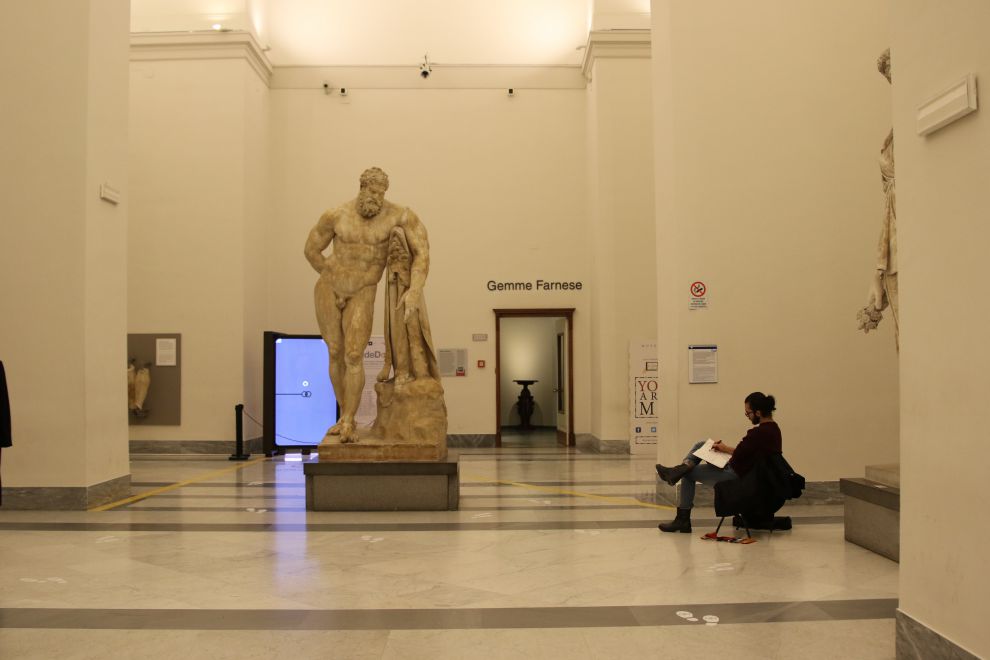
883 64
371 197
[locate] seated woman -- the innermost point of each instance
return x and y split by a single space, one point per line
764 438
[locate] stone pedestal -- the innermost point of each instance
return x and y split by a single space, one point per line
377 486
873 509
525 405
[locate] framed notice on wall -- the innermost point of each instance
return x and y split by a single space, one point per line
703 363
452 361
374 360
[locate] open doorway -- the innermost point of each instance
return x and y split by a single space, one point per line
534 377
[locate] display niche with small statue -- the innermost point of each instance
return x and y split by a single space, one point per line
154 369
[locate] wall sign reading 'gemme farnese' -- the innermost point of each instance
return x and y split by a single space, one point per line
538 285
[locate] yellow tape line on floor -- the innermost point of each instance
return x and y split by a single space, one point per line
179 484
574 493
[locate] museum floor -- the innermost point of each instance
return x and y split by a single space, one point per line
554 554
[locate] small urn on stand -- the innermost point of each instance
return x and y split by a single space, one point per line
525 403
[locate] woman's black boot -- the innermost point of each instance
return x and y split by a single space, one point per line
681 523
673 474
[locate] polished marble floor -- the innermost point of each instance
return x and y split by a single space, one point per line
553 554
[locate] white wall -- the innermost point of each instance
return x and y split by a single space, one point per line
196 251
182 15
943 236
62 249
498 182
529 348
620 14
769 120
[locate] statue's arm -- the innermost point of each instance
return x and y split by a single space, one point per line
419 246
319 239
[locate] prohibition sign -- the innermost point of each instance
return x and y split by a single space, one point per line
698 289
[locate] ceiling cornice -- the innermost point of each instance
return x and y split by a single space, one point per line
203 45
615 44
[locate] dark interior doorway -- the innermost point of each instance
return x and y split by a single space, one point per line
534 379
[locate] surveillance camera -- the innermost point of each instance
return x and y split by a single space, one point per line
425 71
512 92
343 91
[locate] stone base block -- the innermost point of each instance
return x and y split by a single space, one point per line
872 516
376 486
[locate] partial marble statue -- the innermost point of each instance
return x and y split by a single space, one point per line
369 235
883 288
142 383
131 376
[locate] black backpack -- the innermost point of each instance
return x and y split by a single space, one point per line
761 492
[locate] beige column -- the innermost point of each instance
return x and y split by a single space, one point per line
942 209
63 251
621 226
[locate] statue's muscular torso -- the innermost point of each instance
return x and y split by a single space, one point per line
360 246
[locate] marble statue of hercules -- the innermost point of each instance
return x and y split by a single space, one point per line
345 293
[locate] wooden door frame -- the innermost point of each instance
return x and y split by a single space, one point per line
544 312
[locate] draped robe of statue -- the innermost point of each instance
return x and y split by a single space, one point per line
142 382
131 375
409 352
411 406
887 248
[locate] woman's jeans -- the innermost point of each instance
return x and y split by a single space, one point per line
706 473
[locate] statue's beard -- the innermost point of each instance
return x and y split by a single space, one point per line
368 205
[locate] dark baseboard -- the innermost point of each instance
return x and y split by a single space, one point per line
470 440
916 641
66 498
590 443
815 493
251 446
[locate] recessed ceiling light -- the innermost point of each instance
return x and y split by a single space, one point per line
217 27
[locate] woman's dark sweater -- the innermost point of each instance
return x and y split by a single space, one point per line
760 441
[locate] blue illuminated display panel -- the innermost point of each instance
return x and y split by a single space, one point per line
305 406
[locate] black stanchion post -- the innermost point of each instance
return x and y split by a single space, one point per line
239 454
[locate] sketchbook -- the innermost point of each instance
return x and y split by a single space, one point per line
716 458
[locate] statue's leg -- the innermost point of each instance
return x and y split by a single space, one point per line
417 348
328 316
356 320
